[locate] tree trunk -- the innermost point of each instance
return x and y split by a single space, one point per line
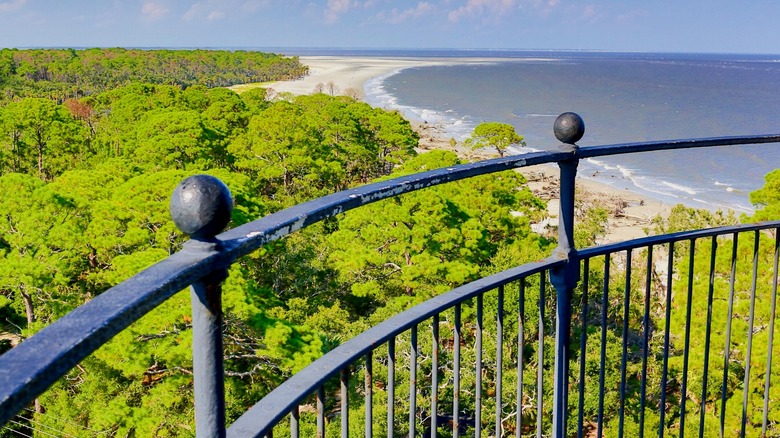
40 161
28 307
29 311
15 151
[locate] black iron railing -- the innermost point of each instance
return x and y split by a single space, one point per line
548 326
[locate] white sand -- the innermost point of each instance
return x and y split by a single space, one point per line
353 72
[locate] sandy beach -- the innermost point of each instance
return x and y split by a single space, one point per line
344 73
351 73
630 213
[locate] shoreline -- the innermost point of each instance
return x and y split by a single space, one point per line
629 212
352 72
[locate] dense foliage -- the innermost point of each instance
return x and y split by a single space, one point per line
62 74
494 135
87 183
93 142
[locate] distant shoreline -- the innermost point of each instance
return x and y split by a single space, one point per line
664 94
353 72
630 212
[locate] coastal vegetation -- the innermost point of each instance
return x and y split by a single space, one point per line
72 74
494 135
89 158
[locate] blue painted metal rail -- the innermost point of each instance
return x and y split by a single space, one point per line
200 207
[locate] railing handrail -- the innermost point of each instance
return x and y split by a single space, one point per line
31 367
679 236
261 417
266 413
671 145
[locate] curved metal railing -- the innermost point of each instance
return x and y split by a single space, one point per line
310 385
199 208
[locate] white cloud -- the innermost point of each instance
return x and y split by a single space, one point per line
630 17
192 12
13 5
590 12
478 8
336 8
153 10
541 4
548 6
421 9
206 10
542 7
215 15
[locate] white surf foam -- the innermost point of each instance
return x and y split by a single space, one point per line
680 187
454 125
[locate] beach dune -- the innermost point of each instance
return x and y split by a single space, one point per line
347 72
343 72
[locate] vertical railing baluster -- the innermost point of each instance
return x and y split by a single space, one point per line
435 378
727 347
708 335
568 128
499 356
520 347
345 402
208 366
772 313
200 207
540 360
478 377
751 318
665 372
321 411
645 340
603 352
295 420
413 384
457 336
624 358
391 387
686 349
583 346
369 394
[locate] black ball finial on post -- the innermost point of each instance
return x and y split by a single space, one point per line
201 206
569 128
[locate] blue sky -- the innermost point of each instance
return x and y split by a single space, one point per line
746 26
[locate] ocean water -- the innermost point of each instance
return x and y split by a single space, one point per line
622 97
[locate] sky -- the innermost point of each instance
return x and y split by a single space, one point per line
719 26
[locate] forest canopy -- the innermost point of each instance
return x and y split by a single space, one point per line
92 144
61 74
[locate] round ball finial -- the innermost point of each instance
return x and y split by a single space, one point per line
201 206
569 128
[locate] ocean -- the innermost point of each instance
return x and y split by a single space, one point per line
622 97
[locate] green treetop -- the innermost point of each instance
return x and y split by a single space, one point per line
494 135
767 198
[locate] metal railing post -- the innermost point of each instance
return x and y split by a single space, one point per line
568 129
200 207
